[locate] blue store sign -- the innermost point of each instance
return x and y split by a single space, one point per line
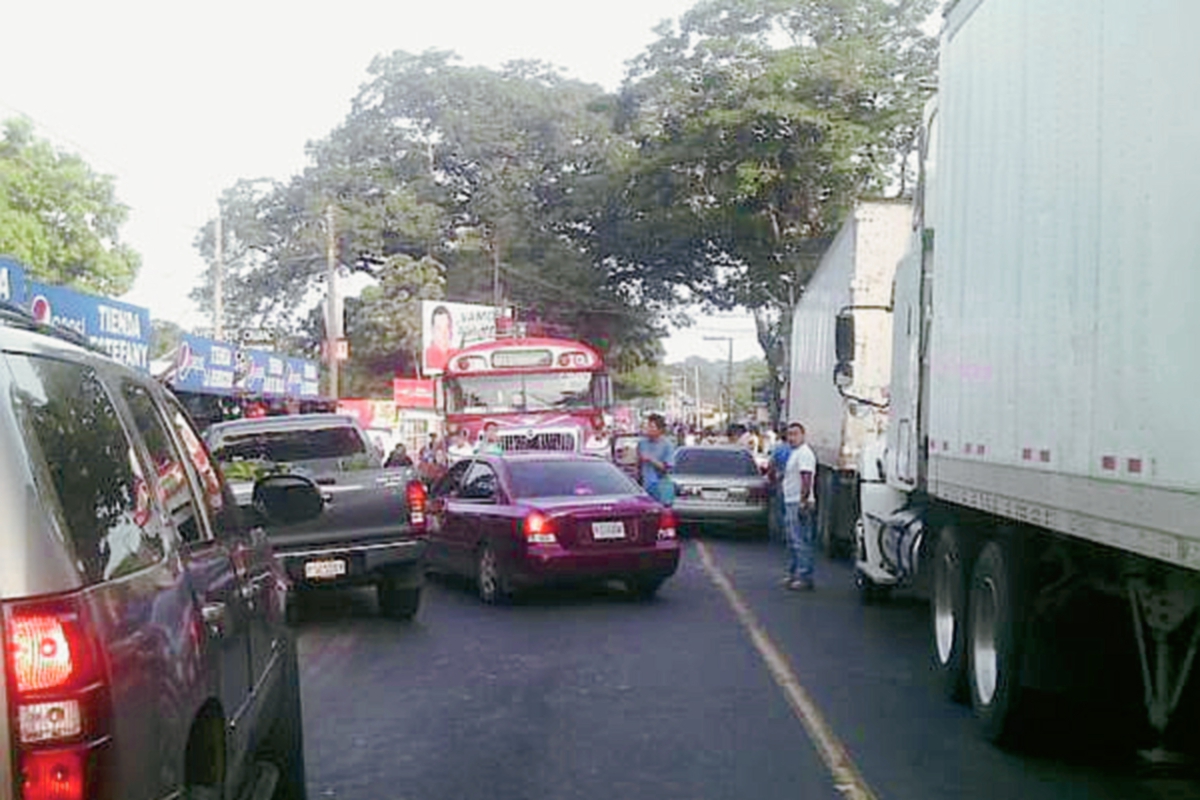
119 329
212 367
12 281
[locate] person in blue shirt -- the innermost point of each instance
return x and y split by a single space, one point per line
779 459
656 459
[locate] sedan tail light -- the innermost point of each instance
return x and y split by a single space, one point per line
58 706
539 529
417 497
666 525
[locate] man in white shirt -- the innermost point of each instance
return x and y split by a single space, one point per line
459 447
799 506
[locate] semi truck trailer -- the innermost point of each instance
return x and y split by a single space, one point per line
1040 469
855 271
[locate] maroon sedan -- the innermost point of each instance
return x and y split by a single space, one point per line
538 518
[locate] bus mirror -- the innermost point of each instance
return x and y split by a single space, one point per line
844 337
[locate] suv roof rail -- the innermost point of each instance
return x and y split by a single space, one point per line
13 314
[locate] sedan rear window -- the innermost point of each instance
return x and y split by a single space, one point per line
733 463
568 478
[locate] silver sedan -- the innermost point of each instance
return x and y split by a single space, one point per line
720 486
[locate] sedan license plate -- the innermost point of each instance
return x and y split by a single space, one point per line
714 494
608 530
325 568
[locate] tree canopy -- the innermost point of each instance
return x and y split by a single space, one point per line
60 218
758 125
735 148
450 181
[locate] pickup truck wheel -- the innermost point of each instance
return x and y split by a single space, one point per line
995 642
397 602
948 611
493 585
284 746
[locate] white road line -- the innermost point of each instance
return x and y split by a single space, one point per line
847 779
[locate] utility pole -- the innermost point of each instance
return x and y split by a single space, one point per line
219 280
333 323
728 377
699 412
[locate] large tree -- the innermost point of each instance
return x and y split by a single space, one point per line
60 218
452 181
759 123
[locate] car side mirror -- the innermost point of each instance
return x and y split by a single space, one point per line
843 337
286 499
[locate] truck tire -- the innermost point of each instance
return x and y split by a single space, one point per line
951 569
870 593
995 639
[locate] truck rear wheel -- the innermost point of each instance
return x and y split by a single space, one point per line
948 611
995 640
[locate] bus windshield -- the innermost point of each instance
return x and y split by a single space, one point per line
488 394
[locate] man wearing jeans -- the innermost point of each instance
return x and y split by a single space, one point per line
799 505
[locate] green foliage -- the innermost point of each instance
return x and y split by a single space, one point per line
759 123
165 336
447 181
641 381
60 218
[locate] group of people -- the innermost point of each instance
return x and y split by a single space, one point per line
437 454
792 472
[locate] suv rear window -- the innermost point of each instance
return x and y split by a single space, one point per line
567 478
733 463
79 447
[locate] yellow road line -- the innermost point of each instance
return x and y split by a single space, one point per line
847 779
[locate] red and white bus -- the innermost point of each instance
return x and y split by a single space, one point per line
543 393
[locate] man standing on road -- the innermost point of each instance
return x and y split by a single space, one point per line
779 454
656 458
799 505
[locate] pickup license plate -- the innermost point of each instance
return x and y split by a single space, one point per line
714 494
608 530
325 568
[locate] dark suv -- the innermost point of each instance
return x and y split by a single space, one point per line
372 531
145 652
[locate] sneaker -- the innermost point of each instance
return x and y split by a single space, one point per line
805 585
795 585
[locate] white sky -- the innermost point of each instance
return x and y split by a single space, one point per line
179 100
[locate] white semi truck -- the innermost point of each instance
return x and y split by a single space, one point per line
1042 460
856 271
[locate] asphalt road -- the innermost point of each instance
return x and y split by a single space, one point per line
590 694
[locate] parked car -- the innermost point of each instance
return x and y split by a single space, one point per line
145 649
372 531
540 518
720 486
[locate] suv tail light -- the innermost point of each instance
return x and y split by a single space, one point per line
539 529
416 496
666 525
57 699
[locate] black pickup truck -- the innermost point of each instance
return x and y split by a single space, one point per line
372 530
